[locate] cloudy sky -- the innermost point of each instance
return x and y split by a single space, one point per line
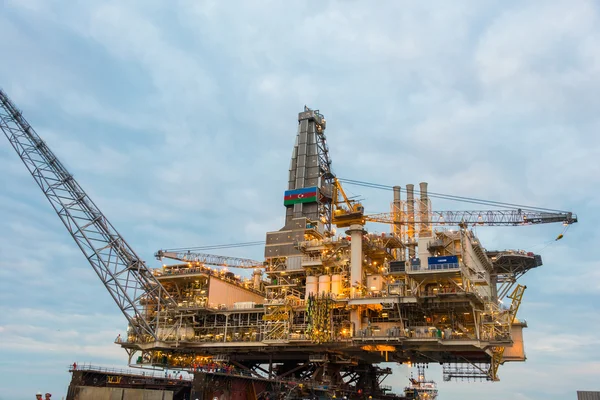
178 118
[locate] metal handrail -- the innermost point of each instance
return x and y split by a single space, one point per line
147 373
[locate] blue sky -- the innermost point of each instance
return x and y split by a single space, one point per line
178 118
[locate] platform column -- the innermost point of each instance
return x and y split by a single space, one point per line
356 262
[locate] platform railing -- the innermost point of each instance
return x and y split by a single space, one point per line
146 373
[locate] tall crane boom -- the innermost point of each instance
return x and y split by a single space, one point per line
487 217
211 259
125 275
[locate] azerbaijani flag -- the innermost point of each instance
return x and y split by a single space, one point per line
304 195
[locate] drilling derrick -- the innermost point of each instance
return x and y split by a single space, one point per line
324 312
308 200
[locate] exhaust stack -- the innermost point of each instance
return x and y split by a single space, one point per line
424 229
397 211
410 209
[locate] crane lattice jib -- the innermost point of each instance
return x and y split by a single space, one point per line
324 165
209 259
497 217
127 278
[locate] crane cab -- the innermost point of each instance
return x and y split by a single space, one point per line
343 218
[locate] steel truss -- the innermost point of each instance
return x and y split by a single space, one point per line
467 372
210 259
327 175
125 275
339 375
487 217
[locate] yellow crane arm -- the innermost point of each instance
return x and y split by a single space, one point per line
338 190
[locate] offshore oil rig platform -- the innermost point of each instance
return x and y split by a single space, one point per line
331 305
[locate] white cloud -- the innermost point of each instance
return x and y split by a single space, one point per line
46 333
179 121
562 345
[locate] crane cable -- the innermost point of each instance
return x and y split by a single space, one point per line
472 200
217 246
391 188
452 197
549 242
559 237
